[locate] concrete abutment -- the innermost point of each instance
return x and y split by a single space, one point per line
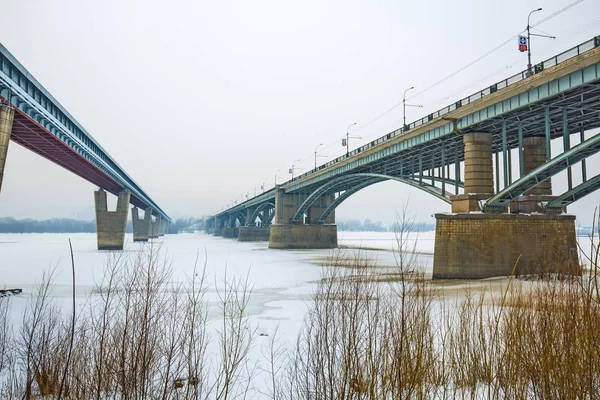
110 225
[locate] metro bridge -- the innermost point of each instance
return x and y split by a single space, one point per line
464 155
33 118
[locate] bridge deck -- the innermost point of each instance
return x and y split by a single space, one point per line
43 126
568 82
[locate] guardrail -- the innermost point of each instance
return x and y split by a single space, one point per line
551 62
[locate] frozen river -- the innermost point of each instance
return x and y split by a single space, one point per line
281 280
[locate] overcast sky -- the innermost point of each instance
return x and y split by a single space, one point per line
201 102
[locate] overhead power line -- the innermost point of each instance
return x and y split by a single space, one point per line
469 64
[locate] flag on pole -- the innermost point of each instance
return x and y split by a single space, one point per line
523 43
344 142
290 171
262 187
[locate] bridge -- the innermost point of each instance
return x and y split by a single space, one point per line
33 118
463 154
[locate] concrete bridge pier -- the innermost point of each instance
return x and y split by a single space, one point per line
287 235
534 155
141 227
162 227
470 244
218 230
110 225
6 121
479 173
254 233
154 225
230 230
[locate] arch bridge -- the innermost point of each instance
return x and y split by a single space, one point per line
488 156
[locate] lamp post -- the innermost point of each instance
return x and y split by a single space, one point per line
529 34
348 138
293 167
404 107
316 153
275 178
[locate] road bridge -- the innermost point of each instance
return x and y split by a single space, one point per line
464 155
33 118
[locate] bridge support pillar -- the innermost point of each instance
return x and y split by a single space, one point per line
319 206
162 227
479 175
110 225
154 227
254 233
6 121
534 155
218 231
141 227
284 235
301 236
230 232
475 246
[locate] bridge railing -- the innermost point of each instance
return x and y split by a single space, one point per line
551 62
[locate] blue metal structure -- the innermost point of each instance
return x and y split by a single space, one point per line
45 127
563 96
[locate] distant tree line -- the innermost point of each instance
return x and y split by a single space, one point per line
66 225
56 225
367 225
182 224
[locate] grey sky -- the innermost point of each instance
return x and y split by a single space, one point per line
201 101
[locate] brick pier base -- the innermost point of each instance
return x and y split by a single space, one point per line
289 236
475 246
254 233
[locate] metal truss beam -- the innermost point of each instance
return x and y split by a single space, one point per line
576 193
554 166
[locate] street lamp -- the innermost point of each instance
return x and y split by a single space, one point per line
275 178
404 107
293 167
529 34
316 154
348 138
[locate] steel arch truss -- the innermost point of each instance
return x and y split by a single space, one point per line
344 196
261 207
576 193
239 216
347 182
558 164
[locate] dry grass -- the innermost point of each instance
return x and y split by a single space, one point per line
140 337
365 336
411 339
